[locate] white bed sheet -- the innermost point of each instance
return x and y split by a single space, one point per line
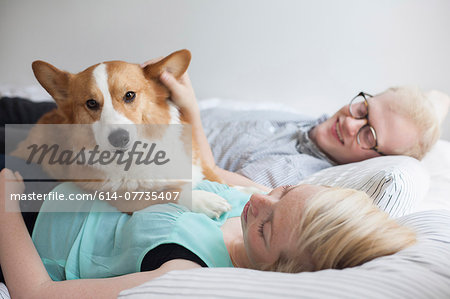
437 163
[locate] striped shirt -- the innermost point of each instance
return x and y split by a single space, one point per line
269 147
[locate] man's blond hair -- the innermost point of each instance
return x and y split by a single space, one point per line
416 106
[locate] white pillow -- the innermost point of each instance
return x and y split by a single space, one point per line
395 183
437 163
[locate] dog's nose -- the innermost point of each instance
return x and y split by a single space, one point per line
119 138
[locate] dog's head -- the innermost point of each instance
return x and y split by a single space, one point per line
113 93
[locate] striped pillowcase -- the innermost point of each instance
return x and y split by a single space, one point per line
4 294
395 183
421 271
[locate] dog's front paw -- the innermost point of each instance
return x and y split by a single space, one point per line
210 204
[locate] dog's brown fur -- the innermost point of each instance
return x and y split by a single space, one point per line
71 91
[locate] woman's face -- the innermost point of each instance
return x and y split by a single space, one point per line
268 222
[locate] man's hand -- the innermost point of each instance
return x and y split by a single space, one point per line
182 92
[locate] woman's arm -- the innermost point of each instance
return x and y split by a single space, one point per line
25 274
183 96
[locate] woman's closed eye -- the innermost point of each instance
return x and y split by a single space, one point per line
286 189
261 229
280 190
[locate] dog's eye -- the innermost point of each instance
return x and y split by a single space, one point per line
92 104
129 96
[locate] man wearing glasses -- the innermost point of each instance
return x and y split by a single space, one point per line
273 148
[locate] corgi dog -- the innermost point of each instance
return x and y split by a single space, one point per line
112 99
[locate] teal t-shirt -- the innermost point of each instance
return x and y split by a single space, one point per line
105 244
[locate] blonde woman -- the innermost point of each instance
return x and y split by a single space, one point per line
96 255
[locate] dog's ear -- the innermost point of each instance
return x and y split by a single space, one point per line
55 81
176 64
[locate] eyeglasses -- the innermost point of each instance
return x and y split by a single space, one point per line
359 109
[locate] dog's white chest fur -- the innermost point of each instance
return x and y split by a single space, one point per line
112 120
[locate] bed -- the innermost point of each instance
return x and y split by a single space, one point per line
421 271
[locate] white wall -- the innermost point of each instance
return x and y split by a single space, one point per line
313 55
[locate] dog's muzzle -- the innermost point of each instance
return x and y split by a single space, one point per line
119 138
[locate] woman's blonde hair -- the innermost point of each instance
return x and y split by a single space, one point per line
416 106
342 228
